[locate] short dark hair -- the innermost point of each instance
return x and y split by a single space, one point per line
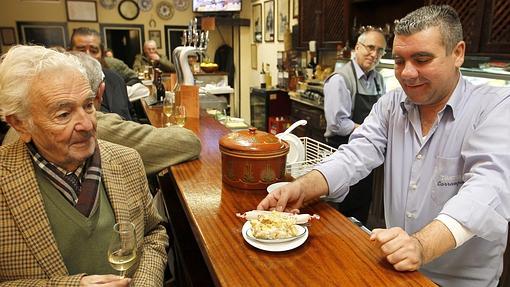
85 31
443 16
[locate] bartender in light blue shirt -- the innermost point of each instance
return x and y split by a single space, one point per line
445 146
349 95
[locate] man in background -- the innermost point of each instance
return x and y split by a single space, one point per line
349 95
115 99
158 147
62 190
151 57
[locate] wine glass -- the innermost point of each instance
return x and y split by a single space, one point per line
168 106
180 115
122 248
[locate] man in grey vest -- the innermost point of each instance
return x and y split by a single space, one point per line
349 95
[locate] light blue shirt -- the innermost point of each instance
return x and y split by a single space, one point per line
338 98
461 169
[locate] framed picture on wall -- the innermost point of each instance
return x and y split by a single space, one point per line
49 34
256 16
156 36
295 8
81 10
8 36
283 18
269 21
173 38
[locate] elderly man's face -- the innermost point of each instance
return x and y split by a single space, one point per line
149 48
63 117
370 51
89 44
426 73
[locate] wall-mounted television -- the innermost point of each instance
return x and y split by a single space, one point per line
216 6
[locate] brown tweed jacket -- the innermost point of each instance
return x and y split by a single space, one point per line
29 255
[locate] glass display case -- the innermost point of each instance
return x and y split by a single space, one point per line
268 103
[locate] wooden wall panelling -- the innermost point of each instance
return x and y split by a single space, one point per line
495 36
335 23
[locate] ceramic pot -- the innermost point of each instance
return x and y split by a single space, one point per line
252 159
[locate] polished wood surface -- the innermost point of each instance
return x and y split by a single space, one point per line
336 253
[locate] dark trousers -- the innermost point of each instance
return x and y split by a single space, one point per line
357 202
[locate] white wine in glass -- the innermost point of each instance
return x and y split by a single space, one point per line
180 115
168 106
122 248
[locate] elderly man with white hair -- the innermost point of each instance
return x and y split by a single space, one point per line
62 190
151 57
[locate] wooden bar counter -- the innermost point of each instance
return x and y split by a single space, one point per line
336 253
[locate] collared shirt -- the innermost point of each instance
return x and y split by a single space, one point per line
338 103
57 175
460 169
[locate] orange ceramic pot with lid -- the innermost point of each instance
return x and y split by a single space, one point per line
252 159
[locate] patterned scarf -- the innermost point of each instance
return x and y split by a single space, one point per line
80 188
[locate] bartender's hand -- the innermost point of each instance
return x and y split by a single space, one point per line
286 198
402 251
292 196
108 280
408 253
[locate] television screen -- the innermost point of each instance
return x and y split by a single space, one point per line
217 5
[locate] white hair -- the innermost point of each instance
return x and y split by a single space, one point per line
93 69
19 67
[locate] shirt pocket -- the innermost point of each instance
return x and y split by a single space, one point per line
447 179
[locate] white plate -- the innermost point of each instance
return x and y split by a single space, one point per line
296 148
301 230
273 247
276 185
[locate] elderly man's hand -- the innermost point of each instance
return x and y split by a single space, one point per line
104 281
154 56
403 251
288 198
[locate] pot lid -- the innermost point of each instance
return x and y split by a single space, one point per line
253 140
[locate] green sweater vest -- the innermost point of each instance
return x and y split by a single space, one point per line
82 242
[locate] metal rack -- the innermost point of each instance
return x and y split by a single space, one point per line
315 152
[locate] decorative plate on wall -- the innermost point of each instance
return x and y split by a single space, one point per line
165 10
108 4
145 5
181 5
128 9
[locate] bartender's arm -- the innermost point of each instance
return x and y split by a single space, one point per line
338 106
409 252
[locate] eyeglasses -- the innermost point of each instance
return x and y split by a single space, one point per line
371 48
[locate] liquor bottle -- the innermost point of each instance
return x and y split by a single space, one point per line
310 67
160 88
346 52
268 77
262 78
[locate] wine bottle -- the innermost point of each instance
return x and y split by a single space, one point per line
262 77
160 88
268 77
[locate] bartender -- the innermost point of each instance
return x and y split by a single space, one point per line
349 95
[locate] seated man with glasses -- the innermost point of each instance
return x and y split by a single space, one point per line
349 95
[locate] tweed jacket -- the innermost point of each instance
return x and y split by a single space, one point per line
29 255
163 64
158 147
